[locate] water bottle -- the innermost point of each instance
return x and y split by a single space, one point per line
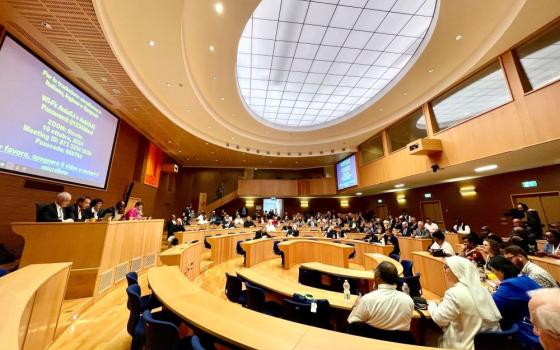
346 287
405 289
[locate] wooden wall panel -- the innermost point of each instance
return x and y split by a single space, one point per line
287 188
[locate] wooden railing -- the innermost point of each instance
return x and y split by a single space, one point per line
221 201
287 188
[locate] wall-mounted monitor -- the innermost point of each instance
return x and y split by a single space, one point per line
274 204
49 128
346 174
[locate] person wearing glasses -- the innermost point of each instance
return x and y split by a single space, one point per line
467 307
512 299
528 268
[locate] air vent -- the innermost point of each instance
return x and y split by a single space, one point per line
120 271
136 264
105 280
149 260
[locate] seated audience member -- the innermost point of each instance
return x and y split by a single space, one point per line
421 231
441 244
544 307
470 250
238 220
430 226
270 227
518 257
490 248
201 219
56 211
248 222
174 225
261 234
552 246
215 218
134 213
390 239
486 232
94 211
77 211
384 308
292 231
406 230
118 209
461 227
523 238
172 241
467 307
228 223
330 232
512 299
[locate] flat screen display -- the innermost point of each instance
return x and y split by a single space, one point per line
274 204
346 175
50 128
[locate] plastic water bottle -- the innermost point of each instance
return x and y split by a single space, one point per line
346 287
405 289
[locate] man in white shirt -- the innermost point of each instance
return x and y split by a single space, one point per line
430 226
270 227
441 244
385 308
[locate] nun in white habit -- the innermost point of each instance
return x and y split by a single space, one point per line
467 308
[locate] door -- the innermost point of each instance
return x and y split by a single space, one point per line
432 210
381 212
546 204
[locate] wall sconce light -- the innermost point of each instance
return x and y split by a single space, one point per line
304 203
249 203
401 198
380 201
467 191
344 203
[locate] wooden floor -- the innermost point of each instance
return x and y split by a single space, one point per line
103 325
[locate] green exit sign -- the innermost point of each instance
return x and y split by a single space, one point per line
427 195
529 184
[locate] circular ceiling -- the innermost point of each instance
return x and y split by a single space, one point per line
306 64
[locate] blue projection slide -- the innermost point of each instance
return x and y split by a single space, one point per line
50 128
346 175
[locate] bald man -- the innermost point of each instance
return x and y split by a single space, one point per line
55 211
544 307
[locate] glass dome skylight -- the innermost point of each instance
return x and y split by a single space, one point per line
306 63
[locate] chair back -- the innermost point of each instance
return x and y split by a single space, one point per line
275 248
160 335
134 304
296 312
206 244
353 254
255 297
38 207
505 339
233 288
309 277
321 317
238 248
407 268
195 343
396 257
363 329
414 285
131 278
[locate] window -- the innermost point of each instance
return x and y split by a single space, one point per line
540 58
372 149
485 90
412 127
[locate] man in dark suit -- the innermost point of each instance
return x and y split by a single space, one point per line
55 211
406 231
77 211
118 209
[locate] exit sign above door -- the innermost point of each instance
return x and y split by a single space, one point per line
529 184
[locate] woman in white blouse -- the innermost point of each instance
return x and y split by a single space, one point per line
467 308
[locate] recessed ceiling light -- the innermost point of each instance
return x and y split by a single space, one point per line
169 141
405 93
214 77
243 160
216 160
486 168
116 91
188 159
209 127
168 84
219 8
211 152
222 98
151 43
206 142
46 25
431 70
211 48
103 79
458 37
380 109
180 151
358 193
399 185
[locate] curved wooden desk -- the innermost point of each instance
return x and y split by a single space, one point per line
223 246
31 298
432 276
339 271
549 264
454 238
101 252
374 259
245 328
409 245
187 256
304 250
